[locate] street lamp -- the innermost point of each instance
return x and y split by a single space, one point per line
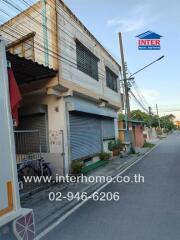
158 59
126 87
131 78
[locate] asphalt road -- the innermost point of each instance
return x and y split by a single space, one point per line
145 211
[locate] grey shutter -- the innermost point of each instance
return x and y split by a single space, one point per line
85 135
108 130
36 122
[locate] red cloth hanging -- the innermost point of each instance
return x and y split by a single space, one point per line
15 96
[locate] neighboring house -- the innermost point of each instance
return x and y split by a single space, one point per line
138 127
76 109
137 131
177 124
150 133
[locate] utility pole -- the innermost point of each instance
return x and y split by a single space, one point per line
150 114
158 116
126 90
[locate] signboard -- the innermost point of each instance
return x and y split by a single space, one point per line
149 41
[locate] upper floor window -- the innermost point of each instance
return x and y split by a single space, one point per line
111 79
87 62
23 47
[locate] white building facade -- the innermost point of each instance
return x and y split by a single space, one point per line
76 111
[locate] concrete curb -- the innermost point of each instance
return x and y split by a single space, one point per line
74 205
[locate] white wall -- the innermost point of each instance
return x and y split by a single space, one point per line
57 131
58 136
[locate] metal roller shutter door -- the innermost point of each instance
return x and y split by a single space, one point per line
108 130
36 122
85 135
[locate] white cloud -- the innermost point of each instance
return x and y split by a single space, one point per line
127 25
150 95
136 18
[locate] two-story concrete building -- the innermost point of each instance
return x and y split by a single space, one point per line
76 110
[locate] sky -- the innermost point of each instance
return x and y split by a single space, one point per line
159 83
105 18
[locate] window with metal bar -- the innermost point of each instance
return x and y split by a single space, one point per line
87 62
111 80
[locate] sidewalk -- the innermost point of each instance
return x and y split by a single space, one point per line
47 212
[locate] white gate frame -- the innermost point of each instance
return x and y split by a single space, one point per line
10 208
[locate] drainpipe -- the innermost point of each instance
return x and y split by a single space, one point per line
45 34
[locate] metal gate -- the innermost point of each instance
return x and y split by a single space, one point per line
28 157
85 135
39 122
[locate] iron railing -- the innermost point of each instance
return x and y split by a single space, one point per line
28 145
28 158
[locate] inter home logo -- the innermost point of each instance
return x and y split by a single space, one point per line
149 41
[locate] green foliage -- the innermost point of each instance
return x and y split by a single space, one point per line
93 166
154 121
139 115
104 156
114 144
121 116
76 167
148 145
167 122
149 120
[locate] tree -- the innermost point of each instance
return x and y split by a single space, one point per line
121 116
139 115
150 120
167 122
154 120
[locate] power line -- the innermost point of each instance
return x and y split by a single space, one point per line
39 46
140 94
74 65
59 25
6 1
138 102
138 97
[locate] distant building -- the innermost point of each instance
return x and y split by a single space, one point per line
137 131
177 123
